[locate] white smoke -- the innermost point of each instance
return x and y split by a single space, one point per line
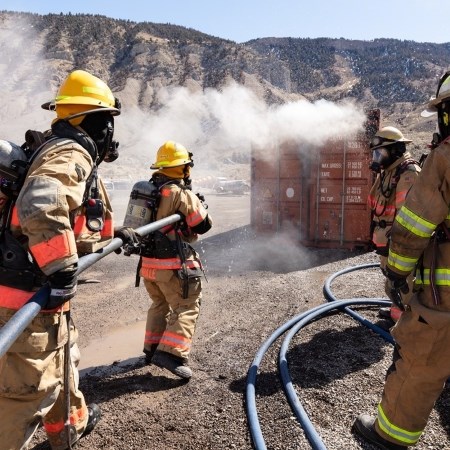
212 123
24 80
216 123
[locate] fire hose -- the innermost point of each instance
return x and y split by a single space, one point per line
23 317
294 326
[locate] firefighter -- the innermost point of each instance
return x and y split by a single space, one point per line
396 172
62 211
170 267
420 242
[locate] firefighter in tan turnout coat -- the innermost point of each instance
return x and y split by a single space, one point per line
419 242
396 173
170 267
51 221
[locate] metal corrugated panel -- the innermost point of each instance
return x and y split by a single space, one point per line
321 195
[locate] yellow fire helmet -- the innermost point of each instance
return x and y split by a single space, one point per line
386 136
442 93
82 93
171 154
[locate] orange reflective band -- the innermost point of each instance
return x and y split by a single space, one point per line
57 247
15 218
12 298
80 227
379 243
371 201
401 196
152 338
54 428
166 229
395 313
148 274
108 229
175 341
194 218
75 417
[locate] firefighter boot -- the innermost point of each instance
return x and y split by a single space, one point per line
364 425
94 415
177 366
149 353
384 313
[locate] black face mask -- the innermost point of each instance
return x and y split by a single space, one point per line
380 157
100 128
383 157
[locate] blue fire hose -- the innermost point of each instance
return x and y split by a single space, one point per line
295 325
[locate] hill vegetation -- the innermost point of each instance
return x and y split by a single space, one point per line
138 59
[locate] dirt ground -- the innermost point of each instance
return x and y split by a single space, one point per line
255 285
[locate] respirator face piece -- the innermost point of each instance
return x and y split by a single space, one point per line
380 159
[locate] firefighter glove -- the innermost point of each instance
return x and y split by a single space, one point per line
63 286
398 284
130 239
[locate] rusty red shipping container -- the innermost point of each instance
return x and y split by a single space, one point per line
318 196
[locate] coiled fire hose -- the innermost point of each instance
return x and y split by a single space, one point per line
294 326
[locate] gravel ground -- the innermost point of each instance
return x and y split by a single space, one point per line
255 285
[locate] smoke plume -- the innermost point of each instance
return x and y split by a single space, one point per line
214 124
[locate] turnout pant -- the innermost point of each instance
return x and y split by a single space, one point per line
418 374
31 384
171 319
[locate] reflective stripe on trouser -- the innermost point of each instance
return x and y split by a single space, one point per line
417 379
31 383
171 319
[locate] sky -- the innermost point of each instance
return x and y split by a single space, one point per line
243 20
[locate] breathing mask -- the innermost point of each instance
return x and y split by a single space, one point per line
100 128
380 159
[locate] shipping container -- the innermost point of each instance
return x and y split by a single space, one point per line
318 195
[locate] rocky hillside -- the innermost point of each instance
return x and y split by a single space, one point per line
143 61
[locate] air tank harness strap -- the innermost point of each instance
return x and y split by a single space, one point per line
184 276
137 280
381 223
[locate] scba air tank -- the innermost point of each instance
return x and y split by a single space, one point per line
143 201
10 156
